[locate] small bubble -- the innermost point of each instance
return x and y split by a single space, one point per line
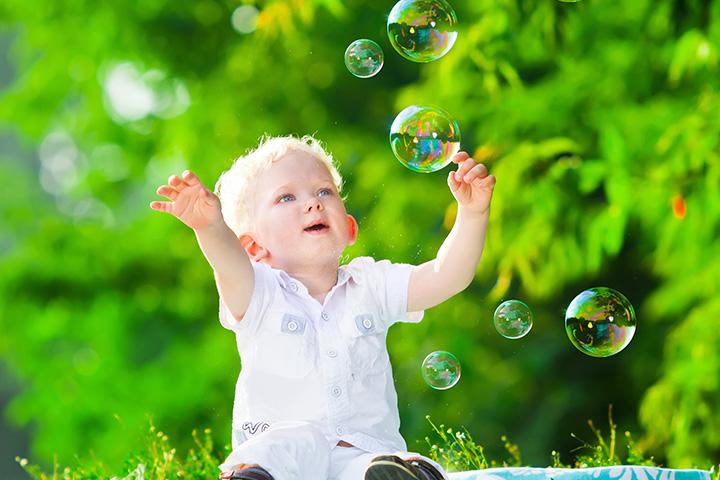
441 370
513 319
364 58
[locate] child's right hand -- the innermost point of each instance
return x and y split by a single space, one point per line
191 203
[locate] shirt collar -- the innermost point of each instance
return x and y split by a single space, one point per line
344 275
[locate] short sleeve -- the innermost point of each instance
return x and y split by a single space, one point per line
264 291
388 282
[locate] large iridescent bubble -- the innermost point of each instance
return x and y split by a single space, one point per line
424 138
441 370
422 30
364 58
600 322
513 319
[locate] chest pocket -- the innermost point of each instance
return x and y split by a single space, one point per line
366 343
284 348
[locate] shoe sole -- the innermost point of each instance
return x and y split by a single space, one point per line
385 470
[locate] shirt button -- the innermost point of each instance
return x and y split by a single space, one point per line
332 353
367 323
325 316
336 391
292 326
293 286
339 430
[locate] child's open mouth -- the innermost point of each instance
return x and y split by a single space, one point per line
317 228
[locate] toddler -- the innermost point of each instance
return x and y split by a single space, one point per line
315 399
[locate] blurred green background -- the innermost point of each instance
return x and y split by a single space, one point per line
599 119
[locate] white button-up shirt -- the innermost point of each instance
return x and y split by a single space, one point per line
325 364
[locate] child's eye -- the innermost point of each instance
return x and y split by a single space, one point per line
286 198
324 192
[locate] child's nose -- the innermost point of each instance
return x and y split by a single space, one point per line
313 203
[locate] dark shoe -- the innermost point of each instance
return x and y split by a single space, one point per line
250 473
390 467
426 470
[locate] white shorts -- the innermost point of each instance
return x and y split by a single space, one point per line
300 451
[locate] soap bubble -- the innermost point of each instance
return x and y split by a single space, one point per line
364 58
422 30
424 138
441 370
600 322
513 319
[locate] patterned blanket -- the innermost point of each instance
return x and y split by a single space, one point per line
620 472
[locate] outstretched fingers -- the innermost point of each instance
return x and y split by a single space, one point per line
167 191
190 178
478 171
175 185
176 182
161 206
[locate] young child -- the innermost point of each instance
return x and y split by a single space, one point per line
315 398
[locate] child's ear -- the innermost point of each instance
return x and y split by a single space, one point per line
352 229
254 250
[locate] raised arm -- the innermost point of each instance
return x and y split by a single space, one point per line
199 208
454 266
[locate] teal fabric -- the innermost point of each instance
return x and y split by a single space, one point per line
620 472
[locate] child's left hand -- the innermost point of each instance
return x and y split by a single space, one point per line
470 184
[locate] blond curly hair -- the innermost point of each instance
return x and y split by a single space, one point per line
234 187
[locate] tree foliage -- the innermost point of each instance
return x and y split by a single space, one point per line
599 119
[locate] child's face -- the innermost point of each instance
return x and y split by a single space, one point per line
300 220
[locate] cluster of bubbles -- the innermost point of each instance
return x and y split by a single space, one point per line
600 322
423 137
419 30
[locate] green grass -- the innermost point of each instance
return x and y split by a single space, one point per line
454 449
157 460
457 451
